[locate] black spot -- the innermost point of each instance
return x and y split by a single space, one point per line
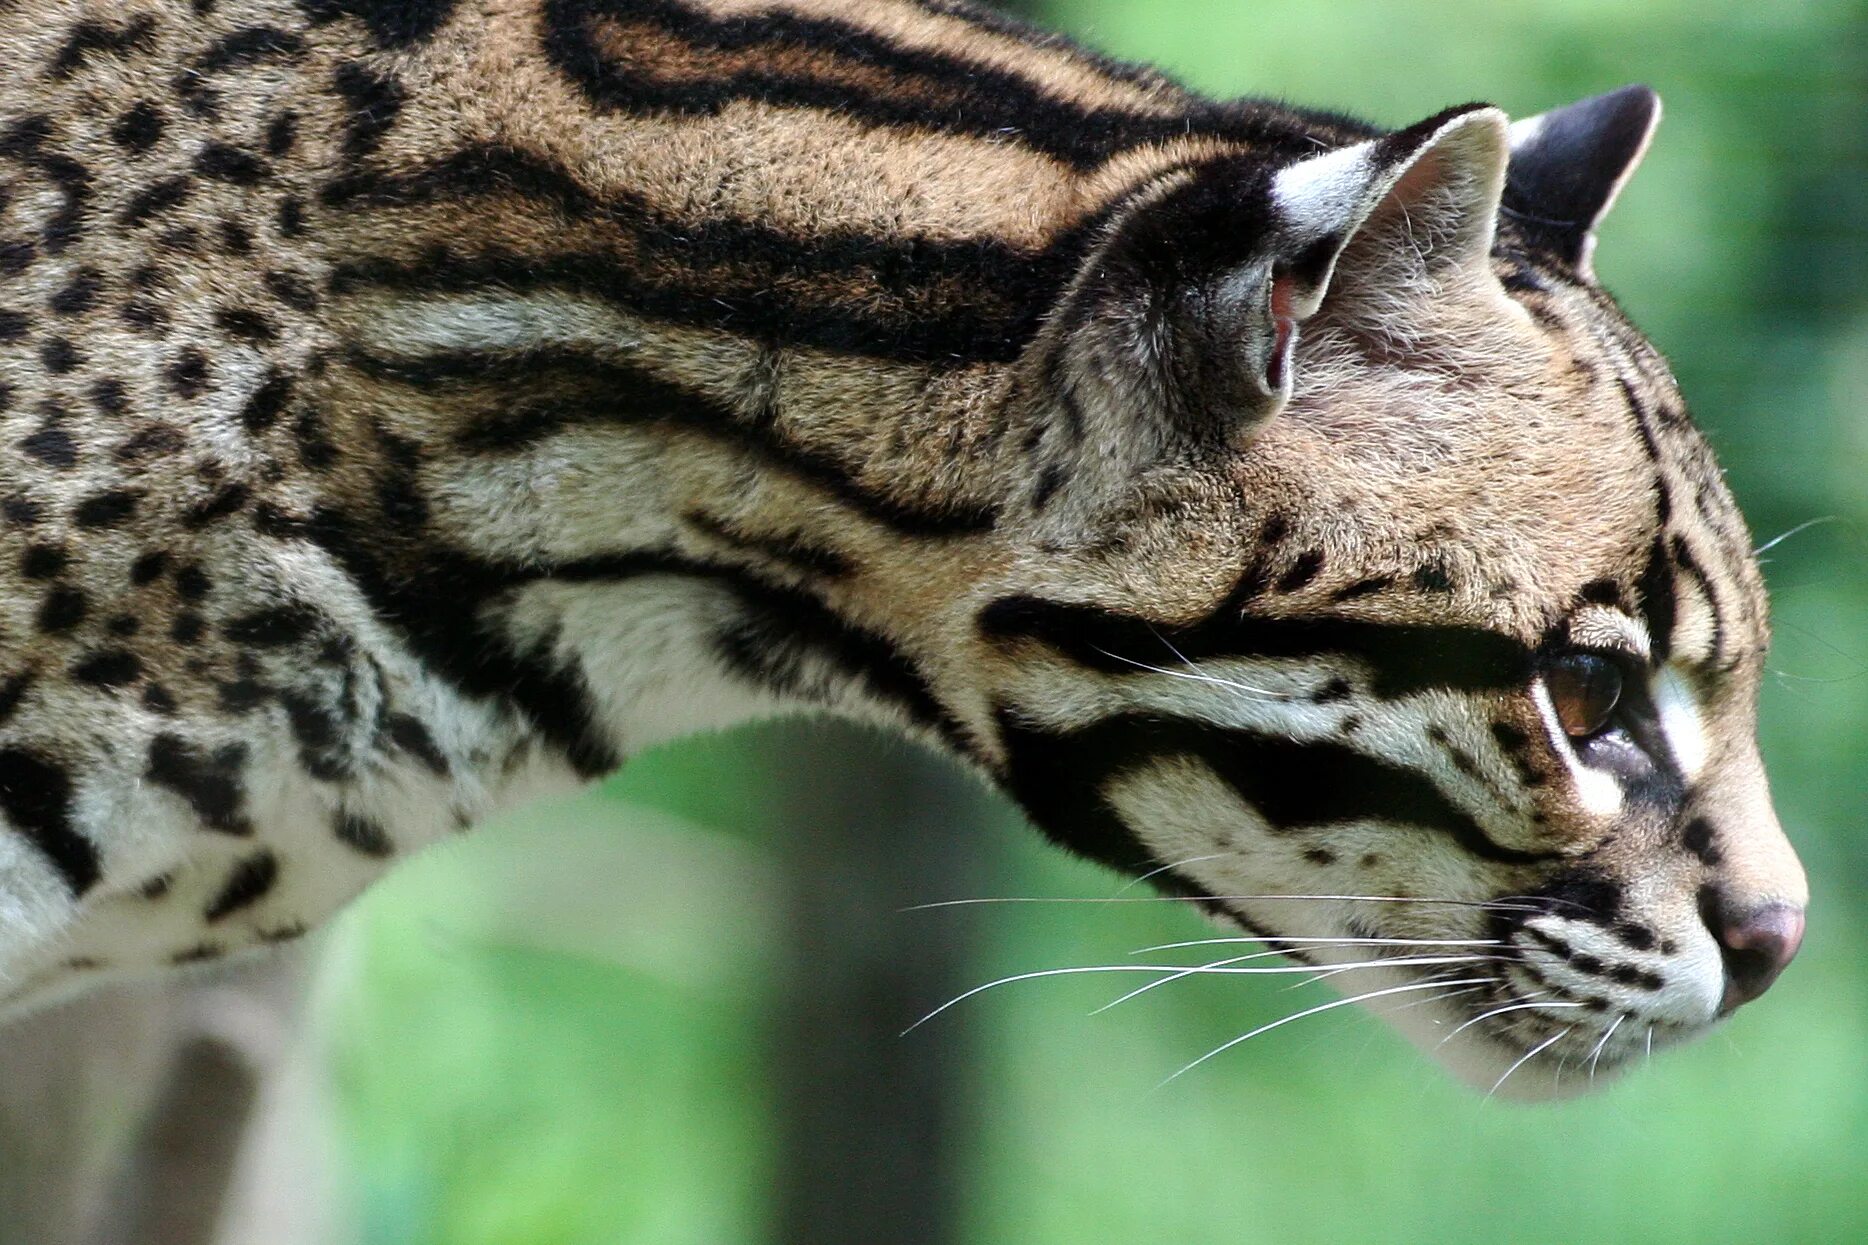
107 509
271 628
59 356
43 561
13 692
78 295
90 37
108 668
245 324
1335 689
1636 937
281 133
64 607
157 887
200 953
21 511
392 23
16 256
151 442
157 699
1697 838
227 501
364 835
1509 737
373 100
1433 577
228 163
192 582
108 395
1319 856
263 409
291 216
292 290
1363 588
236 238
142 314
35 797
413 738
154 199
188 374
209 783
1601 592
12 325
1302 571
251 881
149 567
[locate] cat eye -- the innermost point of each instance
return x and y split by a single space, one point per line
1584 688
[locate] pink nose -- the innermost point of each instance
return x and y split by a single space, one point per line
1757 946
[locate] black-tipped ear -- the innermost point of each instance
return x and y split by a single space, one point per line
1176 335
1567 166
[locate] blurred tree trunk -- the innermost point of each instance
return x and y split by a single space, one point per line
872 1124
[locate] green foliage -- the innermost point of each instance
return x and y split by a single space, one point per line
568 1052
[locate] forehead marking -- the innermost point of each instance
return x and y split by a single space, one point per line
1680 721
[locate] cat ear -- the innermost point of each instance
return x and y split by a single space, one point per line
1569 164
1176 334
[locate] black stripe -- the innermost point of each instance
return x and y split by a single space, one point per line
944 303
35 797
1061 778
1401 659
1658 607
929 90
611 393
1691 569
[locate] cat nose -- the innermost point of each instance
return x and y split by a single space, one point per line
1757 945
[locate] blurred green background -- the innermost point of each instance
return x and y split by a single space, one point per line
618 1020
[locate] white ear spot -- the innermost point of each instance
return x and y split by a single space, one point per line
1600 794
1325 193
1680 720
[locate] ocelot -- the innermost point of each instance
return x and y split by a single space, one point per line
410 407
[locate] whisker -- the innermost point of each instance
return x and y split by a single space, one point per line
1274 970
1340 942
1805 526
1514 1007
1132 883
1529 1055
1596 1054
1258 693
1259 955
1322 1007
1489 904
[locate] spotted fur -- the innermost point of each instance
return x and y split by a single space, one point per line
411 407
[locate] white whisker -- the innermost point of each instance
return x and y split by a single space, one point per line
1500 1011
1596 1054
1490 905
1258 693
1337 942
1185 970
1322 1007
1132 883
1527 1056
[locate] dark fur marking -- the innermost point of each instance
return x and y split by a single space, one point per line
109 509
1401 658
392 23
210 783
108 668
251 881
95 38
413 738
64 607
622 395
36 796
363 835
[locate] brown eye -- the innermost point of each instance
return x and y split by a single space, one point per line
1584 688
